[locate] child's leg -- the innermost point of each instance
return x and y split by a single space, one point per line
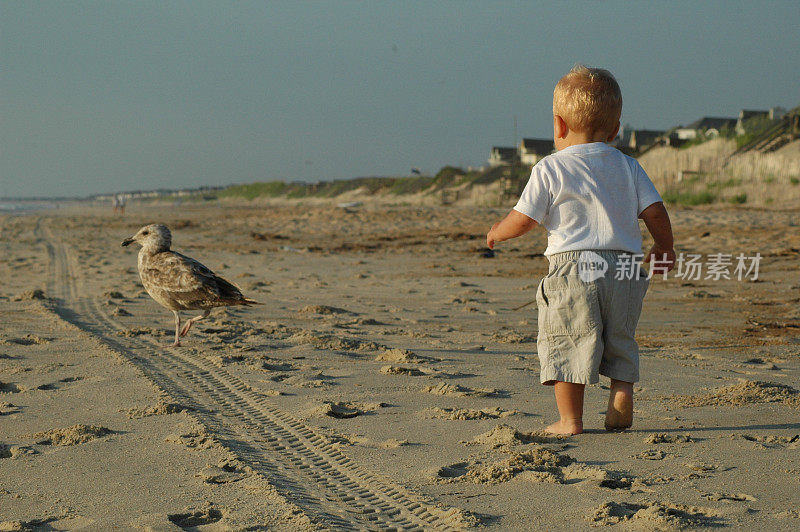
569 398
620 406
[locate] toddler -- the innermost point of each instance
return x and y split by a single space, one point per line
589 196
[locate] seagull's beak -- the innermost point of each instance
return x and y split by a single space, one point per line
127 242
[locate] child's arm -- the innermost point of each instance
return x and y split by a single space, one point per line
514 225
657 221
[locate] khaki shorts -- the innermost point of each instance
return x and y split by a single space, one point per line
587 324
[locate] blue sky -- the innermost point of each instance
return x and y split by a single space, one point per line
109 96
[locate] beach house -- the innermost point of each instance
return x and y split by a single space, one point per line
531 151
503 156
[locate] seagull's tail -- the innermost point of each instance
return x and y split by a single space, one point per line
248 301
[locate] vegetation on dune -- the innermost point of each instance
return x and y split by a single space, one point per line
410 185
329 189
734 181
689 198
254 190
753 127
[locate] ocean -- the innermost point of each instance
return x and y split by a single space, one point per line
24 207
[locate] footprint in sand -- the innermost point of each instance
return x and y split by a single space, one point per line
772 442
7 408
530 457
9 387
47 523
161 409
30 295
400 370
140 331
362 441
456 390
403 356
654 516
114 295
74 435
537 465
314 380
192 518
347 409
732 497
324 310
662 437
225 472
464 414
744 392
28 339
15 451
453 471
57 385
332 342
278 366
512 337
651 454
504 435
196 437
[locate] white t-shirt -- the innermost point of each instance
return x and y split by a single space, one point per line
588 196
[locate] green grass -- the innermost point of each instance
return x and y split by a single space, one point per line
731 182
794 180
689 198
410 185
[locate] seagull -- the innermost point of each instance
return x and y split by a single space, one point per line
178 282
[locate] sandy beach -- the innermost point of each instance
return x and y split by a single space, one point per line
387 382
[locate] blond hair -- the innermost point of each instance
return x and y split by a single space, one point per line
588 99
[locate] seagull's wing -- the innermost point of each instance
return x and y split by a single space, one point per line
189 283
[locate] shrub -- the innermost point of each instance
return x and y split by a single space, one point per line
738 199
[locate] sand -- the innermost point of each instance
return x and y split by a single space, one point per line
386 382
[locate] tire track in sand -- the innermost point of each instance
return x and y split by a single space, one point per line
301 464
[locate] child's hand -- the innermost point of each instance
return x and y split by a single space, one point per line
664 259
514 225
491 237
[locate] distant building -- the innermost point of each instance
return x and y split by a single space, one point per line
636 140
708 126
671 138
503 156
633 141
531 151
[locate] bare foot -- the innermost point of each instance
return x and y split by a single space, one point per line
566 428
619 415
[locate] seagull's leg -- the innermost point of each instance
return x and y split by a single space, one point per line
188 324
177 328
